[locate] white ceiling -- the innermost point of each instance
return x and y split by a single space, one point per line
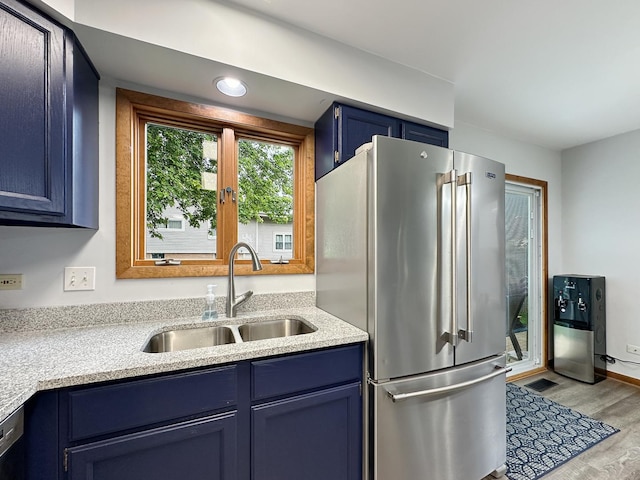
554 73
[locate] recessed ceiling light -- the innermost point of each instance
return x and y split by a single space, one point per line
231 86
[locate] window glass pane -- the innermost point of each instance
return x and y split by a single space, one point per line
181 187
279 242
265 198
517 220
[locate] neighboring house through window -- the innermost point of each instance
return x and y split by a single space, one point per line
174 224
282 242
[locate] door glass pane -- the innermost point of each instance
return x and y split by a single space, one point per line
181 187
265 199
517 219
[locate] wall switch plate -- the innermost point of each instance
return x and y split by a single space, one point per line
11 281
79 278
633 349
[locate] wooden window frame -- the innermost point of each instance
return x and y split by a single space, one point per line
133 111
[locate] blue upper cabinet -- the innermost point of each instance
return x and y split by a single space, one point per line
357 126
342 129
424 134
48 123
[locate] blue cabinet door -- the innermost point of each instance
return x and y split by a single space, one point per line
342 129
317 436
357 126
48 123
195 450
424 134
32 118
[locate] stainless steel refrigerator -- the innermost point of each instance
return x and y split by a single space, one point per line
410 247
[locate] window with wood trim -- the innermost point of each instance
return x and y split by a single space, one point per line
192 180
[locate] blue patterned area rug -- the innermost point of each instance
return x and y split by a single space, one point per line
542 434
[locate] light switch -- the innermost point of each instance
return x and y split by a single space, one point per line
79 278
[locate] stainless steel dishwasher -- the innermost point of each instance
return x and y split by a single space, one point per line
12 447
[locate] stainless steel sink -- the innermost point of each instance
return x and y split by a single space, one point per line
189 338
281 327
209 336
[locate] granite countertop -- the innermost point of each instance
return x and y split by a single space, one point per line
52 358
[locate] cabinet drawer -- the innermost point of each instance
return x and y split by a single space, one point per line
307 371
111 408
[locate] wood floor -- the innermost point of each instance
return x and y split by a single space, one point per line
610 401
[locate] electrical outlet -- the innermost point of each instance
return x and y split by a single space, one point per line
79 278
11 281
633 349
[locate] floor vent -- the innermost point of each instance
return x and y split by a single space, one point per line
541 385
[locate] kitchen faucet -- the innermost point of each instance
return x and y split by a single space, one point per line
232 301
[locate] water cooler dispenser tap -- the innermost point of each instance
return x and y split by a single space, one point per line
581 305
561 302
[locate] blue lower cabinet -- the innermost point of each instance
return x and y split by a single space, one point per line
195 450
316 436
292 417
137 404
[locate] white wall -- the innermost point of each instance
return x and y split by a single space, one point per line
61 10
42 253
601 232
228 34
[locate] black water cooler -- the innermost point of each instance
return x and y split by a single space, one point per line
579 327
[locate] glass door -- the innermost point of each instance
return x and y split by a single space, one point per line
523 229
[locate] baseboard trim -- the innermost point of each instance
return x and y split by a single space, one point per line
612 375
527 374
623 378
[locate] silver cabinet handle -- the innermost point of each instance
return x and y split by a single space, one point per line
468 333
449 388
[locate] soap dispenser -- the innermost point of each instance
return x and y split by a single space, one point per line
210 311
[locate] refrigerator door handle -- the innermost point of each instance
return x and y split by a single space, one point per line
451 336
397 397
467 334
